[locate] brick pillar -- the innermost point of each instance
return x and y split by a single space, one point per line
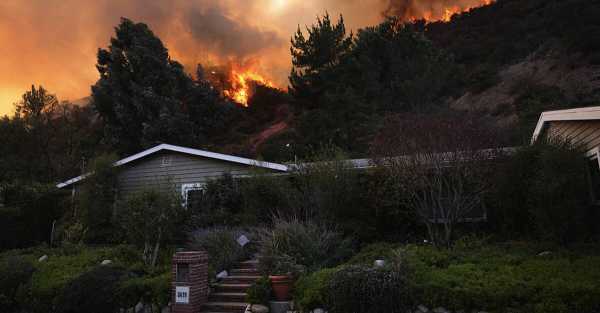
189 289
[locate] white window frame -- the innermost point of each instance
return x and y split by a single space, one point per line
593 154
186 188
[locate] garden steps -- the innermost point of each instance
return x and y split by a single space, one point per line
231 287
232 279
245 271
225 306
229 294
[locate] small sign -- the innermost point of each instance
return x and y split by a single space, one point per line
182 294
243 240
222 274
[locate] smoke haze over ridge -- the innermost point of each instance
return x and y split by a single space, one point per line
54 42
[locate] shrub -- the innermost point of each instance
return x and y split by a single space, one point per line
28 213
150 219
307 243
96 198
510 278
15 272
221 245
312 291
559 193
259 292
372 252
368 289
542 191
149 289
94 291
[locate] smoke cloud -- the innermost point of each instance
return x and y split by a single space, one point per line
54 42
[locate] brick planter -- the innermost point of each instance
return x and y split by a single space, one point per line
189 289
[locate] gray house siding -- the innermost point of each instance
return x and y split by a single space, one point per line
583 134
181 169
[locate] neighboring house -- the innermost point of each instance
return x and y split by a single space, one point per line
581 127
185 169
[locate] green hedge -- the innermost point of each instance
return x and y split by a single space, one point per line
494 278
42 286
312 291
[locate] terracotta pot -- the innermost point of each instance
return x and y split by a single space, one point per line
282 285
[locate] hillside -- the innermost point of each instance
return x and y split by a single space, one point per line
514 59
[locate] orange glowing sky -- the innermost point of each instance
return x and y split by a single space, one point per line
54 42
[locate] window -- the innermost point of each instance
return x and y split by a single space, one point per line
594 174
191 194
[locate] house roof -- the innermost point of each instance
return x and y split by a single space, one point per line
190 151
576 114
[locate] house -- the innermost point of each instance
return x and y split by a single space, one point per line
581 127
185 169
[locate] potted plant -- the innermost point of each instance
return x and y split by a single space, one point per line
282 277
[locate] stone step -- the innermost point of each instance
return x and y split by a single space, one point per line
248 264
227 297
244 271
224 306
231 287
240 279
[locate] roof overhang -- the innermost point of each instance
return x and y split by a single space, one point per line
577 114
202 153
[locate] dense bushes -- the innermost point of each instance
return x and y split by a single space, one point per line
542 191
312 291
363 205
93 291
306 243
222 247
15 272
72 277
471 276
506 279
27 211
369 289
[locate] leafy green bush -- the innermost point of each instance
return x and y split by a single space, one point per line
509 278
93 291
372 252
42 291
15 272
221 245
52 275
150 289
96 198
260 291
312 291
150 219
369 289
307 243
542 192
28 212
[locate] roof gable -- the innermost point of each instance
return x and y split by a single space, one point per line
576 114
188 151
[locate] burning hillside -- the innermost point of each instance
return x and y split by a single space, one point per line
431 10
194 31
238 81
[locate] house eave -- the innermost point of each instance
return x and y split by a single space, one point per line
190 151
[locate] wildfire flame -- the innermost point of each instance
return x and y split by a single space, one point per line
448 12
242 84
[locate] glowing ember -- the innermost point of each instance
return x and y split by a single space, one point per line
242 84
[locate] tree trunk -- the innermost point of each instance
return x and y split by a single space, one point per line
156 248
